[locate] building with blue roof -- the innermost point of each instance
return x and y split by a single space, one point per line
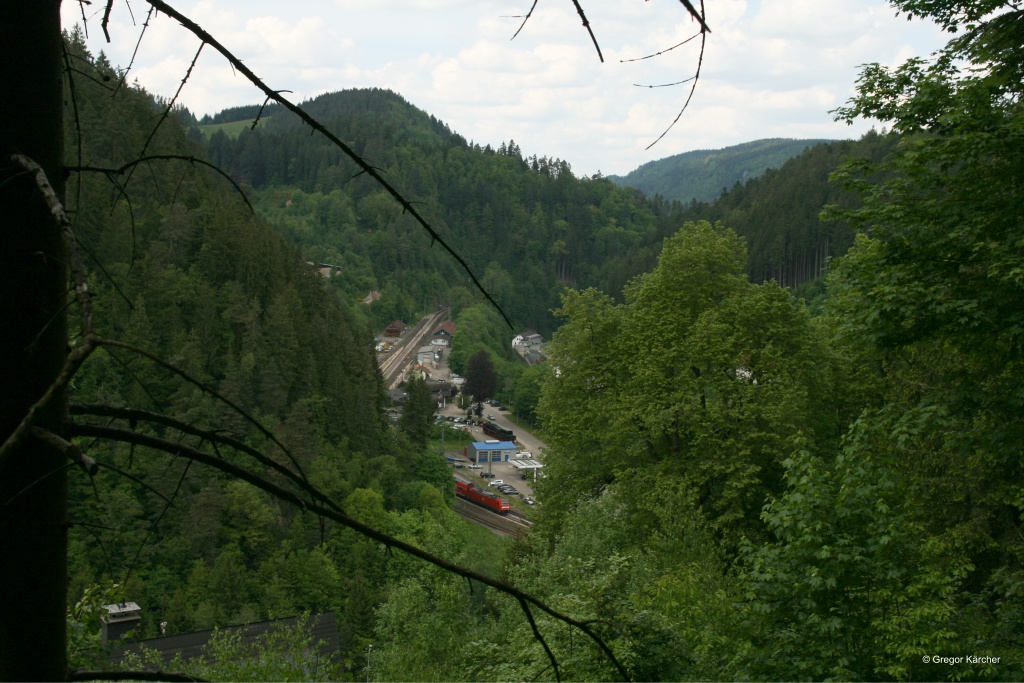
490 451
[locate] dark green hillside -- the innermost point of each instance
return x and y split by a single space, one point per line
778 213
703 175
180 267
526 226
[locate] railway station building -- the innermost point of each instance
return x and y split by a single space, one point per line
490 451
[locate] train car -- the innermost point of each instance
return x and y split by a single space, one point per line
499 433
487 499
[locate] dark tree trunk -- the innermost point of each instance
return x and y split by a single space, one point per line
33 341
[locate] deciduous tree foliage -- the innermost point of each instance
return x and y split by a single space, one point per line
699 370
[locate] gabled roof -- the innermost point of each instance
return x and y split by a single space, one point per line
446 327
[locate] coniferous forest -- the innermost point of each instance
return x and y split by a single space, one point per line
784 426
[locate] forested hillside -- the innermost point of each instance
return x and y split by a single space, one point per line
778 214
526 226
703 175
180 267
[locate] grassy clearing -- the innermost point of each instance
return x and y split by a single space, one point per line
232 129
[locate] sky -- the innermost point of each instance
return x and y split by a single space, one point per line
771 68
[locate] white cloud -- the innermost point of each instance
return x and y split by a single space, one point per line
771 67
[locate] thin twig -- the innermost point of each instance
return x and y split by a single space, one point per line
665 85
134 416
525 19
152 529
696 77
661 52
124 75
121 170
191 380
167 111
539 637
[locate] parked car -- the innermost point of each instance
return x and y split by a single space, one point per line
495 482
486 475
529 501
474 466
489 416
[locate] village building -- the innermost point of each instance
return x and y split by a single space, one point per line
428 356
442 336
490 451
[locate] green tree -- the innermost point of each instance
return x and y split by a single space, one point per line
699 370
481 377
418 413
852 587
933 288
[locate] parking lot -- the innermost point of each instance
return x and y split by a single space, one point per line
505 471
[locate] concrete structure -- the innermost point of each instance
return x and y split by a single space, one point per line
427 356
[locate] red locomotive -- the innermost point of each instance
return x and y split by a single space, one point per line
489 500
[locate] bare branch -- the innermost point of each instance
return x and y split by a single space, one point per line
74 360
62 221
696 77
389 541
106 19
525 19
131 62
156 157
73 452
133 416
586 25
238 65
540 638
665 85
699 16
72 363
661 52
191 380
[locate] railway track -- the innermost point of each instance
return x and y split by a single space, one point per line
393 364
510 525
